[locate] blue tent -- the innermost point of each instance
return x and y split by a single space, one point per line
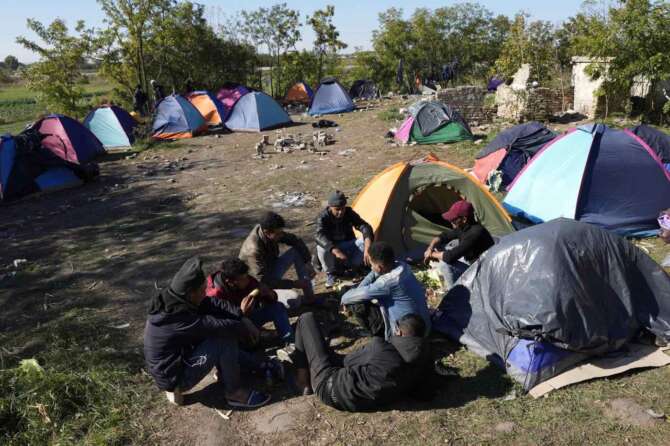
176 118
23 172
112 125
330 97
256 111
610 178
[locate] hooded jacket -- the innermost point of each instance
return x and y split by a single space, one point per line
331 230
175 326
380 373
260 253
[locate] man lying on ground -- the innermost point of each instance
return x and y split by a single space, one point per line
248 297
260 251
335 239
187 334
377 374
387 294
473 241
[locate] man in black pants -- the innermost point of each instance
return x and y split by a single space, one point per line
377 374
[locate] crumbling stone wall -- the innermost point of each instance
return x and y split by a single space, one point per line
470 101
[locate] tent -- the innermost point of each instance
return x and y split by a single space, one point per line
511 150
177 118
68 139
299 93
330 97
655 139
257 111
404 203
363 89
208 106
112 125
582 291
228 95
597 175
24 171
432 122
494 83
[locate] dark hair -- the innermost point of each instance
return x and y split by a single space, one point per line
382 252
412 325
232 268
271 221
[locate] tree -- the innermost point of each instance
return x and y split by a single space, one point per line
11 63
327 41
57 77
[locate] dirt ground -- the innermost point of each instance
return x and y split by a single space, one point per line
109 245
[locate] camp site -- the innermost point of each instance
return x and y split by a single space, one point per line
335 224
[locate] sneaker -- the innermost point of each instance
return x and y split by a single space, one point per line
285 354
175 397
330 281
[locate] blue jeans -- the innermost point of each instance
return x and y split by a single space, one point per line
291 258
276 313
353 249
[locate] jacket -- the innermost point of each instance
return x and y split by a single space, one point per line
381 372
330 230
260 253
473 240
169 337
399 293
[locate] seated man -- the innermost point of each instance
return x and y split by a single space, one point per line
473 240
335 237
394 288
260 251
186 335
379 373
248 297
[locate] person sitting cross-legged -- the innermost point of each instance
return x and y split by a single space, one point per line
335 239
249 297
375 375
260 251
387 294
473 240
186 335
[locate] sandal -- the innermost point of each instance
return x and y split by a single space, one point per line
255 399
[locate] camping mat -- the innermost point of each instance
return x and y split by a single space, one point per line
637 356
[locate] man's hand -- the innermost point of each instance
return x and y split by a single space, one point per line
248 303
337 252
366 257
437 255
428 255
252 331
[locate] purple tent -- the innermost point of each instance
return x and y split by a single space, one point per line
229 95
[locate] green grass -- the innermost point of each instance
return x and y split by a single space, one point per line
389 114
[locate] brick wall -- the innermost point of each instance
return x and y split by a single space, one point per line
533 104
470 102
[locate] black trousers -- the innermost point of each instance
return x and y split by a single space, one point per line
368 316
312 352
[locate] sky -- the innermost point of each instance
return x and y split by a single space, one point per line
355 19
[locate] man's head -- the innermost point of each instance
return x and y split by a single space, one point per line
382 257
273 225
152 82
235 273
460 214
337 204
410 325
664 222
189 282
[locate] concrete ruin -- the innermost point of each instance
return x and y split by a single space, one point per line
586 102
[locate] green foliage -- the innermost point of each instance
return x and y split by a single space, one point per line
327 42
11 63
57 78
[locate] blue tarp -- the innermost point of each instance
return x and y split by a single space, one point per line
256 111
330 97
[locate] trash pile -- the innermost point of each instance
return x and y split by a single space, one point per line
287 143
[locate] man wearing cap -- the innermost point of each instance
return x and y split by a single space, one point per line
335 239
473 240
186 335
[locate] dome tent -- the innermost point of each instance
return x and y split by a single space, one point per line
112 125
597 175
68 139
299 93
256 111
330 97
228 95
363 89
208 106
177 118
433 123
404 203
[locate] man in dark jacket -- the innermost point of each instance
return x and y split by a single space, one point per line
473 241
187 334
140 101
335 237
260 251
379 373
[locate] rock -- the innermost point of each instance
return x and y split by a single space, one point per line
276 167
172 180
303 162
628 412
505 427
479 141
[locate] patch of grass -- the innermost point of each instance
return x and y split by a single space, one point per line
389 115
81 388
